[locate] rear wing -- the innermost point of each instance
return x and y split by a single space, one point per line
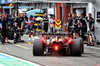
50 35
65 33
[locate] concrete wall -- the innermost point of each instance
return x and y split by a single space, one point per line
96 5
83 0
79 5
89 8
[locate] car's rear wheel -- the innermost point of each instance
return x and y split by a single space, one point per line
37 47
76 48
82 44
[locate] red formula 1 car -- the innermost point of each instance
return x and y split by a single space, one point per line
61 43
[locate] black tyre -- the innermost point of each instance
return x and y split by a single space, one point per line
82 44
37 47
2 40
76 49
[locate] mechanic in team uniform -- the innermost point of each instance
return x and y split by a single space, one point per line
84 24
3 20
76 16
91 29
79 23
69 22
22 17
25 16
18 26
25 26
75 23
72 21
45 25
10 22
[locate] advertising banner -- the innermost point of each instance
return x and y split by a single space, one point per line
5 1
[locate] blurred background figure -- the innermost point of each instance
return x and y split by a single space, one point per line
3 20
91 30
52 24
30 23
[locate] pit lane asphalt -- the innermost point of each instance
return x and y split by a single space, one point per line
91 57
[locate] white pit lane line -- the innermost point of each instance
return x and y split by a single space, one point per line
1 65
19 59
92 47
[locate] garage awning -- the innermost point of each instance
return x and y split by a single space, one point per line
21 7
59 1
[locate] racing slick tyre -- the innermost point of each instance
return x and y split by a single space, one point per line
37 47
76 49
82 44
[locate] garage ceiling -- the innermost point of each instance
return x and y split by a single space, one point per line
58 1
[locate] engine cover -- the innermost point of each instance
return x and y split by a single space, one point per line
59 40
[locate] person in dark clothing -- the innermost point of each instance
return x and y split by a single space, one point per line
76 16
79 25
25 26
25 17
45 25
10 22
75 22
22 17
11 18
18 26
84 25
3 20
91 29
83 20
69 22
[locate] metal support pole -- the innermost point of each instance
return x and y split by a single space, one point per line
41 6
17 8
10 10
63 12
54 5
71 8
14 10
55 11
